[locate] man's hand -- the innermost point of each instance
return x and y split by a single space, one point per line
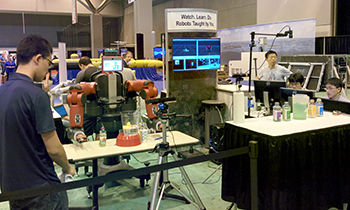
45 85
71 170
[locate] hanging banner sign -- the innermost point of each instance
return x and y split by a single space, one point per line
191 20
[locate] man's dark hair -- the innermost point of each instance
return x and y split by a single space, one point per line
84 61
31 46
336 82
270 52
296 77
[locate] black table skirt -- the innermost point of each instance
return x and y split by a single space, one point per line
309 170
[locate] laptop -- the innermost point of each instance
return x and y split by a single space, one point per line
61 110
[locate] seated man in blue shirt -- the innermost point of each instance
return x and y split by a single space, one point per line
334 87
273 71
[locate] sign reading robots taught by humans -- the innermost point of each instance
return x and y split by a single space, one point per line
191 20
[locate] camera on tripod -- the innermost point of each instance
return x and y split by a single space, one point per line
163 106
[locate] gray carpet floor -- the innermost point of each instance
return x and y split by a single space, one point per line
128 195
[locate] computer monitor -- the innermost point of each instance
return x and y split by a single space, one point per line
272 92
287 93
157 52
190 54
61 110
112 63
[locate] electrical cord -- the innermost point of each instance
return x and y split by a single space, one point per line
273 42
184 183
177 151
222 121
212 166
143 161
215 147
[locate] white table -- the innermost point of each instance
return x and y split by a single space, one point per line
265 125
92 150
300 162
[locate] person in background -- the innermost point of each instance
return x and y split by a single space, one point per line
91 124
87 69
10 66
296 81
128 74
28 139
2 65
127 58
273 71
334 87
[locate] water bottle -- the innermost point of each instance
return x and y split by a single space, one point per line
103 136
286 111
277 112
312 109
319 108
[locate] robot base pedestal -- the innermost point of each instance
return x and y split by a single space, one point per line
128 141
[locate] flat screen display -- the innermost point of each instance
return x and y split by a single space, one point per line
61 110
191 54
287 93
112 63
273 89
157 52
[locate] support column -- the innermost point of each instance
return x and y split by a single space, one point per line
143 24
96 34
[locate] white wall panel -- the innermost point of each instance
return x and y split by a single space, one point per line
269 11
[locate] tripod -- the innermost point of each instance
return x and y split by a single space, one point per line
164 151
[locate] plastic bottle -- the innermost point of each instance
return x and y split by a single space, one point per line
277 112
319 108
312 109
286 111
103 136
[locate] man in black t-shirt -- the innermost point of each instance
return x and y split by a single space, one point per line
28 138
87 70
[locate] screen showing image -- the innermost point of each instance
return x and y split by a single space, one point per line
196 54
61 110
272 88
112 63
157 52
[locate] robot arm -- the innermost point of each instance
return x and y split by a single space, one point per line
147 91
76 100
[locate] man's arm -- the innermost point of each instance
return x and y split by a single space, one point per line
286 72
79 77
56 151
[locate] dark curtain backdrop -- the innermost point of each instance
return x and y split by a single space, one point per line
333 45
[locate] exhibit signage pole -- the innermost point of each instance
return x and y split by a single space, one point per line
166 53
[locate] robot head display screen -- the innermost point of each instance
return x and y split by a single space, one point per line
112 63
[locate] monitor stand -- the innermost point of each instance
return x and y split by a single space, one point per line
267 103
